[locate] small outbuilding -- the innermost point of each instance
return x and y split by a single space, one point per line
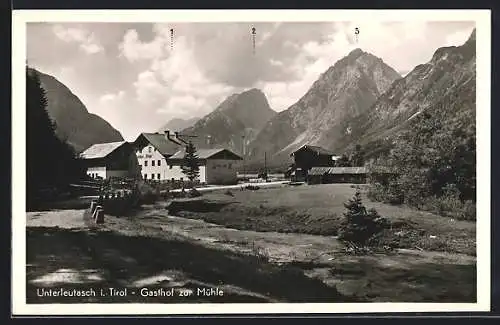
328 175
113 159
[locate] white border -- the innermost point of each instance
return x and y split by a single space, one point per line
20 18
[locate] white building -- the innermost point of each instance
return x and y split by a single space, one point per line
217 166
113 159
160 157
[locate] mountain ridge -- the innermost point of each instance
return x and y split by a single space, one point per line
74 123
448 79
237 119
347 88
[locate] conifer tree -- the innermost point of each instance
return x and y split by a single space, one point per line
190 166
50 163
359 225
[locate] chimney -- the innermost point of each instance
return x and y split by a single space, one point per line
209 142
179 139
169 138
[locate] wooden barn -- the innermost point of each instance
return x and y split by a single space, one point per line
355 175
328 175
114 159
307 157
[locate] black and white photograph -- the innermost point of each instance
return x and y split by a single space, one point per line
251 161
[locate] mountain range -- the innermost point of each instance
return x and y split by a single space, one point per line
345 90
445 86
74 123
360 99
235 121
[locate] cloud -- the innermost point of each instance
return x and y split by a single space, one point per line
148 88
111 97
134 50
175 86
87 41
457 38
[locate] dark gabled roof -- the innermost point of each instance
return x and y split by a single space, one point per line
351 170
158 140
337 170
206 153
317 149
101 150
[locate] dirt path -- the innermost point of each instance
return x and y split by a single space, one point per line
279 247
406 274
63 252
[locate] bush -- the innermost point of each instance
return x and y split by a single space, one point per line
451 207
360 226
391 193
194 193
147 194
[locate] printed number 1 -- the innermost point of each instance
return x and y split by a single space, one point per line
171 38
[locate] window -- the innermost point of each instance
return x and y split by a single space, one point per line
149 149
152 162
145 163
145 176
229 166
173 180
159 162
182 179
170 167
152 176
158 176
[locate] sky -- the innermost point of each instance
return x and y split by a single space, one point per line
137 77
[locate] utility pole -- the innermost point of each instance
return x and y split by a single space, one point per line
265 166
243 152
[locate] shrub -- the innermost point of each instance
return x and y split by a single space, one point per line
391 193
194 193
147 193
360 226
452 207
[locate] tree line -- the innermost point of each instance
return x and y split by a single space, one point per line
51 164
434 166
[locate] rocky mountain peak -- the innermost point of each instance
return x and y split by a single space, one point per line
445 86
346 89
239 116
356 53
472 37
